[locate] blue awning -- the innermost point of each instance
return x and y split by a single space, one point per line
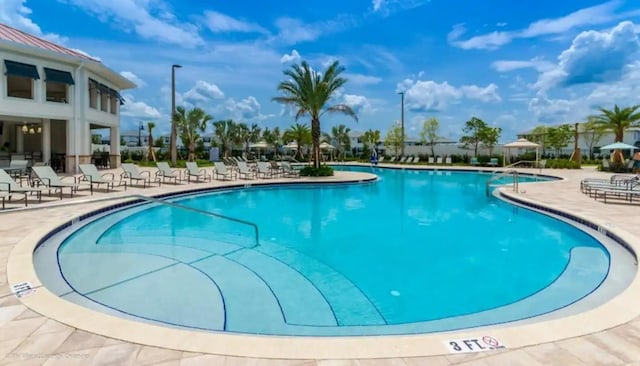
58 76
20 69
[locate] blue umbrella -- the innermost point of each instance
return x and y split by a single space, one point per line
619 146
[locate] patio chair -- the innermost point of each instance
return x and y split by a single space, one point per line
431 160
606 166
381 159
393 159
194 171
474 161
416 159
91 174
222 171
403 160
289 171
10 186
46 176
275 168
264 169
165 172
244 172
493 162
448 161
131 172
630 165
439 160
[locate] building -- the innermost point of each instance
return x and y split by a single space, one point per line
135 138
51 98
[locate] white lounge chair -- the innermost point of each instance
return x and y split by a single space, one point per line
431 160
46 176
439 160
244 172
91 174
8 185
265 169
288 170
194 171
222 171
165 172
131 172
447 160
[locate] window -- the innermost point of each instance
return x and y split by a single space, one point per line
20 79
104 98
93 94
57 85
116 100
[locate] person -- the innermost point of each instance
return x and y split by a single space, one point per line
5 147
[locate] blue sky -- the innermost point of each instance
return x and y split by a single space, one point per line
513 64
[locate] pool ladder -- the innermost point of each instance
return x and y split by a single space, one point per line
497 175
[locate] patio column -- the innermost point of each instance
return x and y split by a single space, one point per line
46 140
114 147
19 139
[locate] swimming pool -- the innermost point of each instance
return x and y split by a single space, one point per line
415 252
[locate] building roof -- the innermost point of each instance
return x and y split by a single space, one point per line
10 34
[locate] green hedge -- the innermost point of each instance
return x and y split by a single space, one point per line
562 164
322 171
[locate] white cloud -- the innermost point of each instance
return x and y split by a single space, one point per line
202 92
429 96
360 79
15 14
149 19
219 23
595 15
594 57
510 65
247 110
134 78
377 4
456 32
138 109
85 53
359 103
293 57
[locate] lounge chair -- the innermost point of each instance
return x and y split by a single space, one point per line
131 172
264 169
289 171
431 160
630 164
194 171
493 162
46 176
165 172
275 168
474 161
605 165
91 174
416 159
381 159
8 185
402 160
448 161
244 172
19 169
222 171
439 160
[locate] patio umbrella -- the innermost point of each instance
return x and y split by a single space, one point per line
520 144
291 146
619 146
327 146
259 145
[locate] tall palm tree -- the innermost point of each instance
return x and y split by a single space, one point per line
618 120
309 92
370 139
224 130
273 138
190 124
301 134
254 135
340 135
241 135
151 153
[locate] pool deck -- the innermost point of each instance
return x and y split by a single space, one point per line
611 332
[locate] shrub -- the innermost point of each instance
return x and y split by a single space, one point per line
562 164
322 171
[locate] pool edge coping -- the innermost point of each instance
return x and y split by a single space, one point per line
20 268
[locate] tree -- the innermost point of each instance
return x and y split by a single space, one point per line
559 137
96 139
394 138
272 137
151 153
190 124
539 136
224 131
473 129
592 133
370 139
618 120
340 136
159 142
301 134
429 134
310 92
489 137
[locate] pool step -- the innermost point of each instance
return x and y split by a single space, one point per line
349 304
301 302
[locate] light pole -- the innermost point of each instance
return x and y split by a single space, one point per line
402 120
140 128
174 129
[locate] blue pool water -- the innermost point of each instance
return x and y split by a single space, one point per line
416 251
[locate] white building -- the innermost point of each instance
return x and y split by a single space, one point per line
135 138
52 97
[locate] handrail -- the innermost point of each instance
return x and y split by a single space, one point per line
196 210
500 174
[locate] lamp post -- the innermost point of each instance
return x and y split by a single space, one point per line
174 129
140 128
402 120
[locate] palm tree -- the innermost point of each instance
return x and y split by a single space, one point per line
371 139
301 134
224 130
340 135
618 120
309 92
190 125
272 137
150 127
